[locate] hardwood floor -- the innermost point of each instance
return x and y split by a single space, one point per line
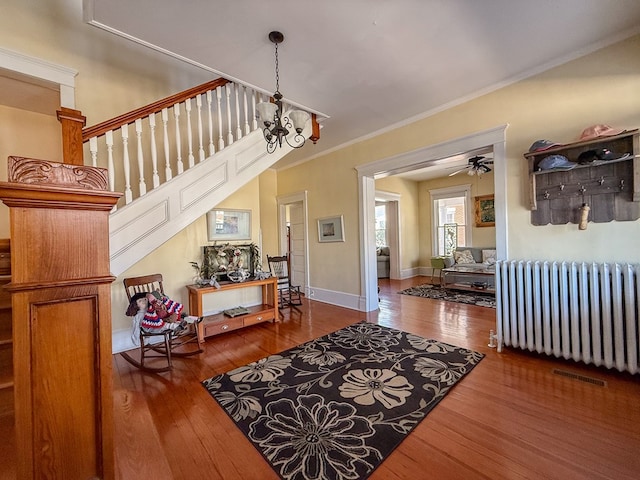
510 418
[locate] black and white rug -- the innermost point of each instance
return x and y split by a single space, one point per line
337 406
436 292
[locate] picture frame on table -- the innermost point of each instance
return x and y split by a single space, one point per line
226 224
485 211
331 229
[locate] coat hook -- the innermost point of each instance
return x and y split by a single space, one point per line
562 187
601 181
621 185
546 194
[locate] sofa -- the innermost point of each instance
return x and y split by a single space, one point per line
382 258
480 258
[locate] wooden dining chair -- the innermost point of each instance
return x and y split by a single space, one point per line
288 294
165 344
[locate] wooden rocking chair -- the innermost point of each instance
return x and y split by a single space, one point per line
288 295
165 344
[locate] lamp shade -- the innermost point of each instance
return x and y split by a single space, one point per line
298 119
267 112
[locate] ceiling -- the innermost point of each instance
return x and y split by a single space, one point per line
372 65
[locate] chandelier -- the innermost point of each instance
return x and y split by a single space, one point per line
278 127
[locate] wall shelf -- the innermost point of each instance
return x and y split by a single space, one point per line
610 188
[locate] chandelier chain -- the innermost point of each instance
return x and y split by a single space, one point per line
277 72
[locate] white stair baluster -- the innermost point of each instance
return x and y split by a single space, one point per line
200 146
154 150
219 100
192 159
212 150
142 186
128 196
176 115
238 129
165 127
93 148
108 136
229 128
254 116
245 103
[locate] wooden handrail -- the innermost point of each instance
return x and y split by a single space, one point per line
155 107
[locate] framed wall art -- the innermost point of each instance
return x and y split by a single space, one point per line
485 213
331 229
228 225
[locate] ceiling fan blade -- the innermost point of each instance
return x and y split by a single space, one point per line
458 171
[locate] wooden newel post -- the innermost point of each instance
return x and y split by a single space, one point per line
61 300
72 122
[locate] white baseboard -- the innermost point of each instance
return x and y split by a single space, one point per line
341 299
121 340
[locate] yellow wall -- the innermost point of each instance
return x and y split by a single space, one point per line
115 75
602 87
173 257
26 134
410 208
268 215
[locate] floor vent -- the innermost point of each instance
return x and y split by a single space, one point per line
582 378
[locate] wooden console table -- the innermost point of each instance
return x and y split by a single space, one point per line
219 323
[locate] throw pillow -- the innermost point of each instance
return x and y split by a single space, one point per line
489 257
463 256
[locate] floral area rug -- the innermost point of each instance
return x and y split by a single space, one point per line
337 406
460 296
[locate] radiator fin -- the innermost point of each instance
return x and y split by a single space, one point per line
587 312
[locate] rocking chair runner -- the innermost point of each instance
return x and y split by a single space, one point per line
171 344
288 294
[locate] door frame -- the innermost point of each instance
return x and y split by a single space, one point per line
282 202
420 158
393 231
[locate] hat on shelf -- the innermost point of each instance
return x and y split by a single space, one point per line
540 145
556 162
591 156
601 130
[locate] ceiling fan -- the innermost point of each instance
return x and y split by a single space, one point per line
477 165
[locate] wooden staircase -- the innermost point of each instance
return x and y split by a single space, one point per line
174 160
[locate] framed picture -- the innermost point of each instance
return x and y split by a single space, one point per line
228 225
485 213
331 229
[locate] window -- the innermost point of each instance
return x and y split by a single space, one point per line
381 225
451 226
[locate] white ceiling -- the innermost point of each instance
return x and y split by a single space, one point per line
372 65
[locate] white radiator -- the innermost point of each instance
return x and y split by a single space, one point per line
587 312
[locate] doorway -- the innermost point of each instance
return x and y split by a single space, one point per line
293 237
494 138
